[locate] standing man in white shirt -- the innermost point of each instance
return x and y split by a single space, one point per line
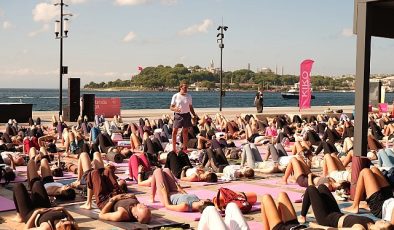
181 104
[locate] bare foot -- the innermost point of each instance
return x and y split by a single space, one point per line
351 209
302 219
87 206
283 181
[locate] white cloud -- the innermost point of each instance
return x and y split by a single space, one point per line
44 28
129 37
1 12
347 32
7 25
45 12
198 28
131 2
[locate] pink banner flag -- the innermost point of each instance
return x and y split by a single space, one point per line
305 84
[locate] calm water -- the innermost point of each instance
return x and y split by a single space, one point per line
47 99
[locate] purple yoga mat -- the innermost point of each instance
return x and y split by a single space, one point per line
18 179
260 190
6 204
277 182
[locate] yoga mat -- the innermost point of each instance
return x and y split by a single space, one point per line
123 164
260 190
203 183
67 181
78 200
18 179
277 183
21 168
202 194
255 225
155 223
6 204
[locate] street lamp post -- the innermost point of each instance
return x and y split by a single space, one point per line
61 31
220 39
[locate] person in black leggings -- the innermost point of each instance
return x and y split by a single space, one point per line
103 141
215 159
326 209
35 210
175 162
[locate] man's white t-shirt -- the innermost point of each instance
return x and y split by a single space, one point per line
182 101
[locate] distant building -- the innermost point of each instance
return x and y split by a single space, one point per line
212 68
265 70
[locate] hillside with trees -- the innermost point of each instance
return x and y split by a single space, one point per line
167 78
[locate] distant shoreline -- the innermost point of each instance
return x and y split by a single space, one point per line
191 90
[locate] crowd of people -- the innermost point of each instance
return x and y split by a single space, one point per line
184 147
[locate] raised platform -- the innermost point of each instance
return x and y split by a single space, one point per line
18 111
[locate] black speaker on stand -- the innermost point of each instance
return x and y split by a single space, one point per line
88 108
74 90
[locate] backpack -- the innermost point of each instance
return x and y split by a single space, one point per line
226 196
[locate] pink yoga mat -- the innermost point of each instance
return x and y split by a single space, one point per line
21 168
125 163
203 183
260 190
277 183
6 204
255 225
202 194
18 179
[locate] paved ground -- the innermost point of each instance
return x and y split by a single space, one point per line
256 185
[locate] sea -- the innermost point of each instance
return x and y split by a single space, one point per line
48 99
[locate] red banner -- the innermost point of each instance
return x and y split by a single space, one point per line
305 84
108 107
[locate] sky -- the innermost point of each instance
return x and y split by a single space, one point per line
109 39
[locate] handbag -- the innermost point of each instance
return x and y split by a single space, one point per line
226 196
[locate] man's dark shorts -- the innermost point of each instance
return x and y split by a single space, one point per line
182 120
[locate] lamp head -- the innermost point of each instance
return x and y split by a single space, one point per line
219 27
225 28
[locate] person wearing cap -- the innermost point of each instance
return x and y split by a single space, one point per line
181 104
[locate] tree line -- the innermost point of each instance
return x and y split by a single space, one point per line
167 77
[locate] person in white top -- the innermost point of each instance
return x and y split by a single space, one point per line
181 104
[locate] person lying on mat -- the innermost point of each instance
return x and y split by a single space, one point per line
380 198
85 166
181 167
60 191
304 177
115 205
140 169
234 172
173 197
326 210
8 173
250 157
210 218
35 209
281 216
334 168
